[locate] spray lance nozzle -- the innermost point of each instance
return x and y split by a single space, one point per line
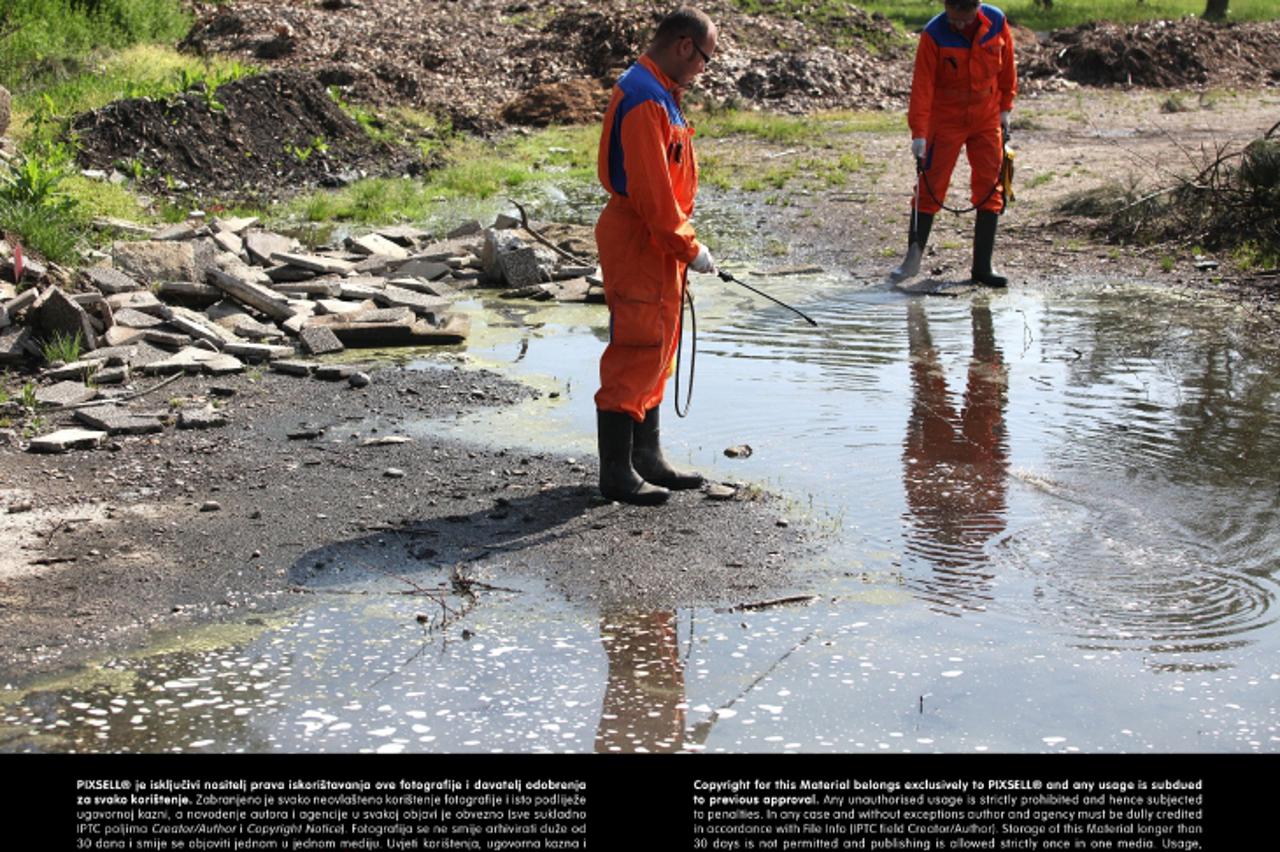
729 279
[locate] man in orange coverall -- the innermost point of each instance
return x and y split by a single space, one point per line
645 243
961 95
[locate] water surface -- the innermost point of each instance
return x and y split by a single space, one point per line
1055 529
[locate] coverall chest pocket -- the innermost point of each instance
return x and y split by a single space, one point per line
991 58
682 165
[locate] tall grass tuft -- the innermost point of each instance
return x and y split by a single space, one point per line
50 39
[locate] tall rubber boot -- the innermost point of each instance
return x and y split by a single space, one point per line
647 458
917 238
618 479
984 243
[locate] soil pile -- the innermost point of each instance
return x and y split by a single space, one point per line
1161 54
279 129
471 61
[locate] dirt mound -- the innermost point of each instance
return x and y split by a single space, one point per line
470 61
243 140
570 102
1162 54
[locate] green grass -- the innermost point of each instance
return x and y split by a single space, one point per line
913 14
474 169
62 347
44 40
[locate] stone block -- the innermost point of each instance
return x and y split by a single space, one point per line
116 421
155 260
67 439
261 245
64 393
520 268
110 281
319 340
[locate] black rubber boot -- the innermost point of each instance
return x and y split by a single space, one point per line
917 239
618 479
984 244
647 458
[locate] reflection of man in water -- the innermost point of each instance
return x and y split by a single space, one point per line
644 702
955 464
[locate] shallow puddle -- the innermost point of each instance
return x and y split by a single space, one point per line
1055 517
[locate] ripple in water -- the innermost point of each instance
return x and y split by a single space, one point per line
1118 576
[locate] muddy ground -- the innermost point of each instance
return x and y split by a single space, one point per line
167 530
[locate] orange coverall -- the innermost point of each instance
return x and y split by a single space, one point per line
643 235
962 82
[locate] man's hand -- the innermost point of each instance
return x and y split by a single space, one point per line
1004 123
918 147
703 262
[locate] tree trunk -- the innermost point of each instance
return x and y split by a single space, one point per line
1215 10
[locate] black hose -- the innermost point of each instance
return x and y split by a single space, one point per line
686 300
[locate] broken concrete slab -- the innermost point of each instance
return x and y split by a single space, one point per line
293 368
319 340
324 288
67 439
396 297
223 364
333 372
372 335
428 270
190 293
119 335
261 245
375 264
14 343
121 226
65 393
179 231
246 327
520 267
165 339
573 290
189 360
258 351
155 260
428 288
285 273
197 326
315 262
233 225
55 313
131 318
113 375
405 235
373 244
143 301
342 307
254 295
496 244
402 315
110 281
359 289
76 371
201 418
229 242
117 421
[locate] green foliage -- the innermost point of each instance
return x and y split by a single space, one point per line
43 40
913 14
62 347
474 169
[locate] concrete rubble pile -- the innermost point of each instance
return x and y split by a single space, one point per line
209 298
